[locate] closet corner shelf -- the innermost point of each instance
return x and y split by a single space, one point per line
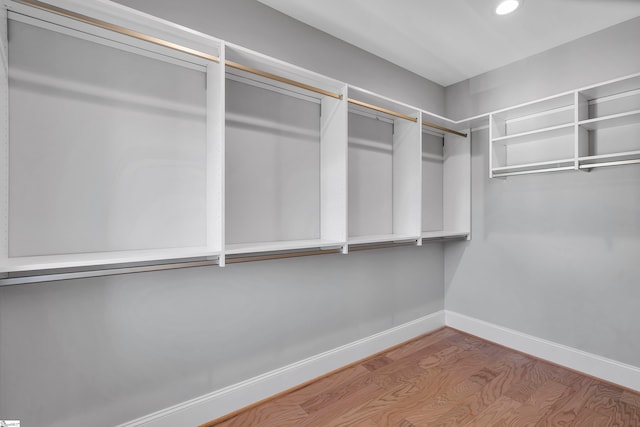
614 120
98 259
534 135
444 234
284 245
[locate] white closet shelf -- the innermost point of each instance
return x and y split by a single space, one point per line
96 259
625 85
544 106
370 103
245 62
515 168
612 104
535 135
614 120
444 234
381 238
284 245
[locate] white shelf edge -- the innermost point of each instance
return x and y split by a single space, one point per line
444 234
285 245
332 84
587 123
528 103
533 132
533 171
97 259
608 82
533 165
610 156
402 104
540 114
614 96
381 238
281 88
614 163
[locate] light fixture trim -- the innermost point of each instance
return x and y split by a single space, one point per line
506 7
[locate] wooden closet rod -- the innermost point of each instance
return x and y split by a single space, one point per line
444 129
118 29
281 79
140 36
382 110
404 116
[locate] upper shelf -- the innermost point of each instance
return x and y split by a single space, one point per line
614 120
615 87
381 238
369 103
553 103
247 63
534 135
66 261
290 245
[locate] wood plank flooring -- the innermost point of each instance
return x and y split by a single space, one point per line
448 378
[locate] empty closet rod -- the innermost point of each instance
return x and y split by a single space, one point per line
444 129
382 110
118 29
265 257
405 117
365 247
281 79
115 271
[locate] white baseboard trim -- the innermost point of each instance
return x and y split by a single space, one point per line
221 402
591 364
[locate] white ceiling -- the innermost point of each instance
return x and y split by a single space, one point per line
447 41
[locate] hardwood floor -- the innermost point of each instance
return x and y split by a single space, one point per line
448 378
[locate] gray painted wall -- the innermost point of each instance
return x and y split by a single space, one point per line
97 352
554 256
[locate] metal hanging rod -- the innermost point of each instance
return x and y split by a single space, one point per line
265 257
444 129
383 245
382 110
281 79
63 274
118 29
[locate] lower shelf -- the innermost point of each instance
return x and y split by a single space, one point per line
97 259
538 167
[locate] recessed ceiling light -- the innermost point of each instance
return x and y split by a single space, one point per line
507 6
